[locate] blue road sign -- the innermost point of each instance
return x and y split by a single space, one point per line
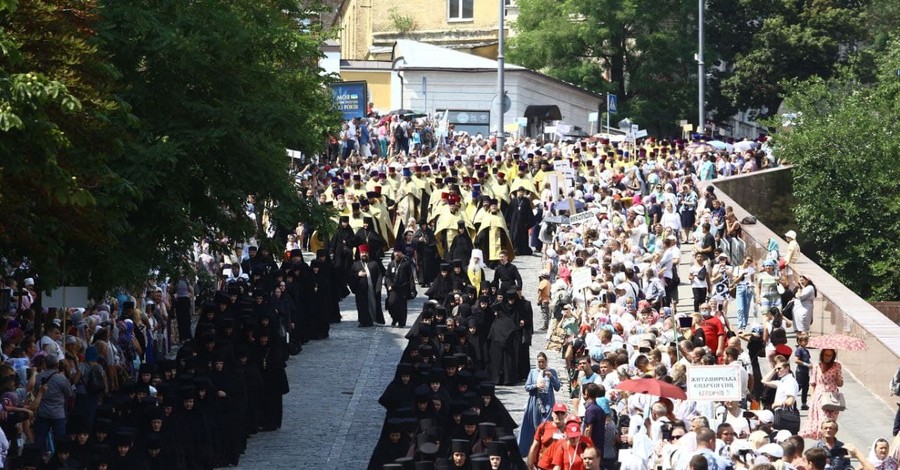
611 104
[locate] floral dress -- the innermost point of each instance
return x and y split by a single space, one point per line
824 382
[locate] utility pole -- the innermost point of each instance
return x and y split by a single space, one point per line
701 71
500 70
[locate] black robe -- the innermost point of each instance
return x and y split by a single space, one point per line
504 350
368 314
461 248
400 283
426 255
376 242
341 248
506 276
270 360
318 299
526 314
519 219
440 288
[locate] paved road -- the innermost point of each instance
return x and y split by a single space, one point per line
332 414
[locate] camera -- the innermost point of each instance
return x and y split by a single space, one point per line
665 430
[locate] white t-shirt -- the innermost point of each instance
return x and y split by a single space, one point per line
787 387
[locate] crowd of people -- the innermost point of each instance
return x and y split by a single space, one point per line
183 373
143 383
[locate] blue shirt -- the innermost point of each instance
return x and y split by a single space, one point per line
802 354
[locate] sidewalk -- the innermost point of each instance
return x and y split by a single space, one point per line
866 418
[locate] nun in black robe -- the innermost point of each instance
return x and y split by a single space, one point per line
442 285
398 393
271 362
392 445
504 350
337 285
462 246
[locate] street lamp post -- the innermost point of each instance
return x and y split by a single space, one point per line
500 69
701 72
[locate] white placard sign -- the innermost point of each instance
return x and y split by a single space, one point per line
564 167
581 278
65 297
714 383
582 217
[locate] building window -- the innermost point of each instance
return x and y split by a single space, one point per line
460 9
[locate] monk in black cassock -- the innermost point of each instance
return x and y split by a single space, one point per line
460 278
442 285
462 246
341 247
364 279
519 219
319 300
504 348
368 236
506 275
426 252
400 284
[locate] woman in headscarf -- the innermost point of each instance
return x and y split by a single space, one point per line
129 347
271 364
879 456
541 384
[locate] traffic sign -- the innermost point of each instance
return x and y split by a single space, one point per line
612 104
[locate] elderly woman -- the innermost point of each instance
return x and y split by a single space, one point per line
541 384
879 456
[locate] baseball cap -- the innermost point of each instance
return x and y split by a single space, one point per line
772 449
573 430
560 408
765 416
782 435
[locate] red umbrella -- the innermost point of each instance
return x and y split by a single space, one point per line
653 387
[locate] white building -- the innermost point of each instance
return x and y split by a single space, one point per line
432 79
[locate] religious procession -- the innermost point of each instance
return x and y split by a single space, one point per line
184 373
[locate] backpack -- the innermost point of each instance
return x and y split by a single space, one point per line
398 132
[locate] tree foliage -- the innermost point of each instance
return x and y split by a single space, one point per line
62 126
644 46
133 129
763 45
846 150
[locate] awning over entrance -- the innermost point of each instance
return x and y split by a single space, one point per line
548 112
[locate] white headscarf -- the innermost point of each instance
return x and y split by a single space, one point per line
888 463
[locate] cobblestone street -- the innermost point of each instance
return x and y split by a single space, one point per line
332 413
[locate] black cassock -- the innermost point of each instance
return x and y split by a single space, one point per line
461 248
426 255
519 219
526 314
399 282
504 350
270 360
440 288
341 248
376 242
368 309
506 277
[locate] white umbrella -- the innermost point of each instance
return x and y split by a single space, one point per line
745 145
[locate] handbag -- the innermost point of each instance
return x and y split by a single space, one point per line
787 418
788 310
833 401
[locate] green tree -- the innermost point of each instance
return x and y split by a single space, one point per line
846 175
763 45
644 47
221 89
62 128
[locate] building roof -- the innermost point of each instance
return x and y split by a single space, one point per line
419 55
422 56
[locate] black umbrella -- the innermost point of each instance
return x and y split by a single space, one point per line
402 111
